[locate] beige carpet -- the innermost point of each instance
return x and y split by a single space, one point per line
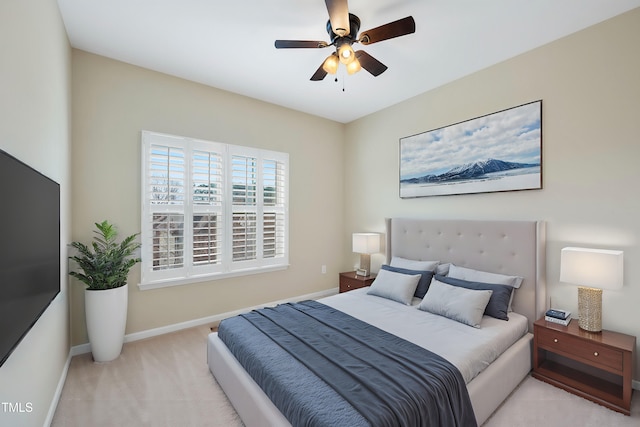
161 381
535 403
165 381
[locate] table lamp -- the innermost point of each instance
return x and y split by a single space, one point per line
365 244
592 270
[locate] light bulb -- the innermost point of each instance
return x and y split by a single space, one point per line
346 54
330 64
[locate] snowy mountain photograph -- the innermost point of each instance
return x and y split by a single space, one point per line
497 152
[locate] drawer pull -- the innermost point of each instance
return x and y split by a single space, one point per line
595 353
555 340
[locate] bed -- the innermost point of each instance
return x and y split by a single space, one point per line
502 247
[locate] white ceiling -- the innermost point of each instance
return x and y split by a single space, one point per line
230 44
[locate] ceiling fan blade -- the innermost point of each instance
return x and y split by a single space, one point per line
339 16
300 44
319 74
370 63
398 28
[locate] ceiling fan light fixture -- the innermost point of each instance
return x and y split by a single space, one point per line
346 53
354 66
343 28
330 64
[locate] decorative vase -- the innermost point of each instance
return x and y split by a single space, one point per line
106 315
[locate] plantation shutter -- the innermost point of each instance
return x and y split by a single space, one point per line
244 172
208 215
274 194
211 210
164 232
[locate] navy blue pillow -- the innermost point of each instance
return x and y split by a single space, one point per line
423 284
498 306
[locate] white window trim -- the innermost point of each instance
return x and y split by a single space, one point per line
227 268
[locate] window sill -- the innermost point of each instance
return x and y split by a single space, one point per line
209 277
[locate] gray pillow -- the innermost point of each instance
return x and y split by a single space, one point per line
394 286
459 304
423 284
498 305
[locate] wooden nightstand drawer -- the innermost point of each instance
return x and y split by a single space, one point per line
595 365
350 281
348 284
593 353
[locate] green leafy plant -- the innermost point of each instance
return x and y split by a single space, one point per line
107 265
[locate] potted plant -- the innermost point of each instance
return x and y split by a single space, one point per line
104 269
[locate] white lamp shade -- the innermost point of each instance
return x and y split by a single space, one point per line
366 243
594 268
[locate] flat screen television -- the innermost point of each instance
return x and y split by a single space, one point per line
29 249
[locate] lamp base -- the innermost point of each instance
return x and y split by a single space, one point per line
590 309
365 262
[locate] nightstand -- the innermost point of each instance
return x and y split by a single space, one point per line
596 366
350 281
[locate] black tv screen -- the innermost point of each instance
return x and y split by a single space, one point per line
29 249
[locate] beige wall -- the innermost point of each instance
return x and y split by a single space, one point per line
590 96
113 102
35 114
590 86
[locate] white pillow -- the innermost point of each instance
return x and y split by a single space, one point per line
460 304
395 286
483 276
413 264
443 269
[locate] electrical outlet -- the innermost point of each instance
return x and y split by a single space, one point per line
323 269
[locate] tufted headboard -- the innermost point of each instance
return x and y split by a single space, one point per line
505 247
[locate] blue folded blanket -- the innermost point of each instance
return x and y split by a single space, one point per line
322 367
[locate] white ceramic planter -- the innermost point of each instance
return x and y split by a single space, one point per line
106 314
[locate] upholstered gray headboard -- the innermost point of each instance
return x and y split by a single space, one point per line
505 247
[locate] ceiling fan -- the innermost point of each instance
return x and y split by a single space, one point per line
343 30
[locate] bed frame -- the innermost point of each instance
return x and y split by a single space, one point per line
505 247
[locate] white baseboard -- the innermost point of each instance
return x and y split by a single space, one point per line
58 393
86 348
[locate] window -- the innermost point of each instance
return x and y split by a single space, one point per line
211 210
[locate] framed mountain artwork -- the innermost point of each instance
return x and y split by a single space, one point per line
501 151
